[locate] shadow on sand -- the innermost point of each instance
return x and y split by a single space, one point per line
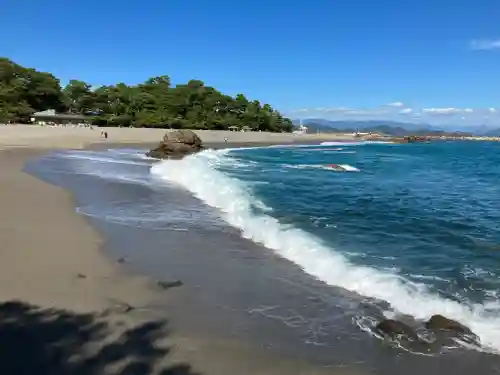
49 341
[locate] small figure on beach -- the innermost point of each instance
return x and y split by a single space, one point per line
106 135
225 139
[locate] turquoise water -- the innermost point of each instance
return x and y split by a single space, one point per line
417 226
426 212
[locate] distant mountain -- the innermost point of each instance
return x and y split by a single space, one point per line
393 128
320 128
362 125
481 130
492 133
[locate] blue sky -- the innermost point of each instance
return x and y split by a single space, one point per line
434 61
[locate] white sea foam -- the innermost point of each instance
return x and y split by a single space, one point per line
361 143
342 167
100 165
197 173
349 168
100 158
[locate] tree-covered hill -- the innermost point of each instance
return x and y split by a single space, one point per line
154 103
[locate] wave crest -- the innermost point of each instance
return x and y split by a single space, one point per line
198 174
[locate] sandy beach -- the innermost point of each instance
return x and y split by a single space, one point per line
66 308
80 137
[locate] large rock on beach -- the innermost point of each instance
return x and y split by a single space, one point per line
177 144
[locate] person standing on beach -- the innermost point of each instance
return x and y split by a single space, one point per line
106 135
225 139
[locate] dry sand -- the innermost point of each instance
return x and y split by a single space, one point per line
78 137
65 308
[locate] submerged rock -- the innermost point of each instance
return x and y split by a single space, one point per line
177 144
395 329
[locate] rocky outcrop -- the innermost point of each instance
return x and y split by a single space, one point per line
177 144
441 325
397 139
416 138
410 139
439 332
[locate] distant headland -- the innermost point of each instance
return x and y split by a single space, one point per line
392 131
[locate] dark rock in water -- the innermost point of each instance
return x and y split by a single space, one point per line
122 260
416 138
410 139
394 329
439 323
169 284
177 144
407 337
441 333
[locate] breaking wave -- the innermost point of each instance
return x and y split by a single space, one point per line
199 175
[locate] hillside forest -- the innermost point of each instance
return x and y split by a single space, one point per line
153 103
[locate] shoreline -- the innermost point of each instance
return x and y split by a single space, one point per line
20 194
45 237
55 277
55 283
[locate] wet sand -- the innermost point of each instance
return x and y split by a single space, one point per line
66 308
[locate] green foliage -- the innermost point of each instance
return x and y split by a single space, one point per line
79 97
154 103
24 91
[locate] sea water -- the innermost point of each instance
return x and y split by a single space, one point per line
408 230
416 226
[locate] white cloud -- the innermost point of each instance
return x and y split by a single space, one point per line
338 109
372 112
442 111
447 111
437 116
343 111
485 44
396 104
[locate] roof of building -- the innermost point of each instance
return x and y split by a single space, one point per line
50 113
